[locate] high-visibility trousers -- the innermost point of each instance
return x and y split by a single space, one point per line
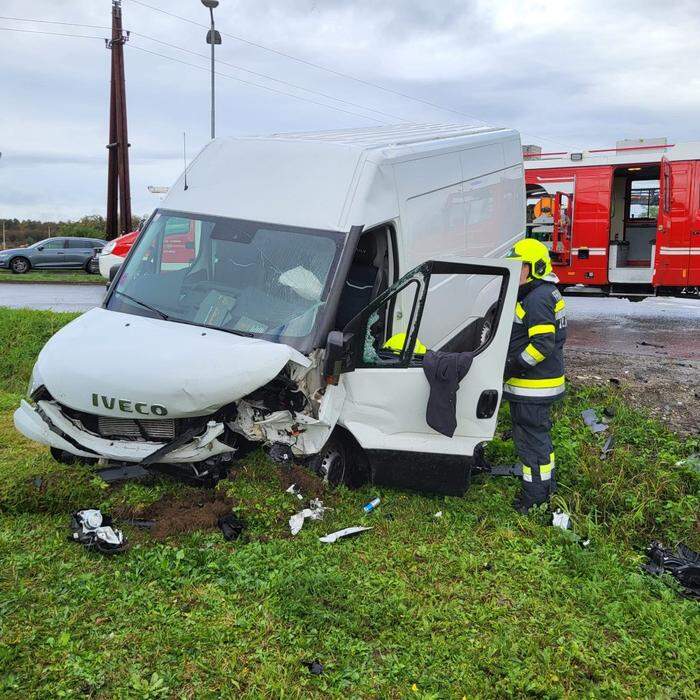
532 423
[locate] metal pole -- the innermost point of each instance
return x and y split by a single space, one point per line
213 103
4 245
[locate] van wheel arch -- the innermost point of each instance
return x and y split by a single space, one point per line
341 460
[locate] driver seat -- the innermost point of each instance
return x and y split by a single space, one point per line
362 284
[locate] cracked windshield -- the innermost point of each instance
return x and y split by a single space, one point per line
239 276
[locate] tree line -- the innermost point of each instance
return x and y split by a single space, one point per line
24 232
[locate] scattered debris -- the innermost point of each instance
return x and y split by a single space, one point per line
650 345
683 564
293 489
438 514
281 453
591 420
369 507
315 667
610 411
38 482
136 522
174 515
315 511
94 531
346 532
123 473
693 461
560 519
231 527
507 470
607 447
614 380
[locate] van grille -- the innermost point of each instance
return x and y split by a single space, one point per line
163 429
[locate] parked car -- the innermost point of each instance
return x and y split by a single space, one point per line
114 252
52 254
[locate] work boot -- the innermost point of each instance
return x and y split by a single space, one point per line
524 502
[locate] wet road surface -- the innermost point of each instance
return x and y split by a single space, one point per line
661 326
52 297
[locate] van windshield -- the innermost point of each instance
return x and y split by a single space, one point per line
243 277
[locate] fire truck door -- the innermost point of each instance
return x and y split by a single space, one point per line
561 236
694 261
672 226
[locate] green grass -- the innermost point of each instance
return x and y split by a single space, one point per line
479 603
52 276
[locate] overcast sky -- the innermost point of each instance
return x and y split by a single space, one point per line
579 73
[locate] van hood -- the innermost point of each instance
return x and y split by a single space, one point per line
115 364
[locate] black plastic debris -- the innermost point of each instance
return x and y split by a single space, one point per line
506 470
281 453
610 411
136 522
315 667
682 563
590 418
608 447
651 345
614 380
231 527
94 530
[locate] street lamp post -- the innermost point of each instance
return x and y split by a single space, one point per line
213 38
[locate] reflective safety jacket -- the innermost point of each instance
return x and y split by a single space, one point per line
535 364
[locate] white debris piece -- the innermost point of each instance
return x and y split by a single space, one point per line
438 514
295 492
315 511
560 519
346 532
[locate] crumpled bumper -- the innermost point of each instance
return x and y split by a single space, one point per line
65 435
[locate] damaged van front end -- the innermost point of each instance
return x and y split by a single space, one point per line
206 343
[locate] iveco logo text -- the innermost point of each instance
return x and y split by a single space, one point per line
125 406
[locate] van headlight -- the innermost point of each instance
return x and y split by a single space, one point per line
35 381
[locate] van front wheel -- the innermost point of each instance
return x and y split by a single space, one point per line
341 461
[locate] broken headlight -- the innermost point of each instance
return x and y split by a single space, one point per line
35 383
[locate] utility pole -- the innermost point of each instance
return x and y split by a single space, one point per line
118 187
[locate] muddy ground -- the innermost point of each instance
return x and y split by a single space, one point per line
665 387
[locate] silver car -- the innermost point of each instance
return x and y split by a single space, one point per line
66 253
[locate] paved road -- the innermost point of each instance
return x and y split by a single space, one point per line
604 325
54 297
661 326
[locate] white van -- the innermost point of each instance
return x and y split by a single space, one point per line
284 294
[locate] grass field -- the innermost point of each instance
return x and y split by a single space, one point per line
53 276
478 603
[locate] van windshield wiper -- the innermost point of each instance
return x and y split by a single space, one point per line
160 313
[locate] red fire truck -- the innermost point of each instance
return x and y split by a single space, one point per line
623 221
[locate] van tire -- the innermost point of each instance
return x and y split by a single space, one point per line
340 461
20 265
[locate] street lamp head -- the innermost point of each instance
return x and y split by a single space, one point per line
211 4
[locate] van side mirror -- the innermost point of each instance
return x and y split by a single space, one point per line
113 271
337 357
41 247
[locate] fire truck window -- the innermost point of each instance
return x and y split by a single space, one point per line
643 200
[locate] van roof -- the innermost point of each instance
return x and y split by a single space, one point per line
388 136
330 179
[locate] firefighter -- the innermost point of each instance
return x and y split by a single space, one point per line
534 371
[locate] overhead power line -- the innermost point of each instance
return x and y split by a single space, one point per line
318 66
34 31
65 24
333 71
270 77
257 85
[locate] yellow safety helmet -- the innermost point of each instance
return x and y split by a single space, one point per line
396 343
534 253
